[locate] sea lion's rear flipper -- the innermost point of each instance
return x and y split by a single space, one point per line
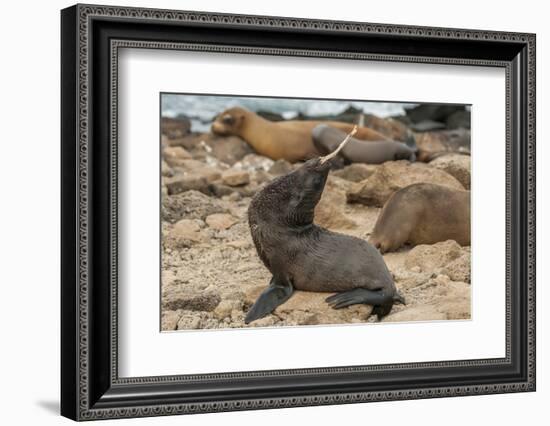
398 298
278 292
379 299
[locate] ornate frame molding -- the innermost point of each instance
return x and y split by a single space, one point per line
79 20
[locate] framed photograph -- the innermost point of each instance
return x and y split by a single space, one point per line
263 212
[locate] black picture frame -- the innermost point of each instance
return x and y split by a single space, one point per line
90 386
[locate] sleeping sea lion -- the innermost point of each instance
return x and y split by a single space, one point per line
423 213
326 139
290 140
303 256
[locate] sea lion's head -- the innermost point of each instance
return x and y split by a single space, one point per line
229 122
291 199
307 184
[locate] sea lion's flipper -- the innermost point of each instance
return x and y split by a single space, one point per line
398 298
411 143
379 299
278 292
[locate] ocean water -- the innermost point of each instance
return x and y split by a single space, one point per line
202 109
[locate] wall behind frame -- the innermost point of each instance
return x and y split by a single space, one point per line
29 217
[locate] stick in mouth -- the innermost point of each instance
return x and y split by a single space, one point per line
342 144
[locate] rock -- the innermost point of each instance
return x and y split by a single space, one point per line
269 115
339 184
183 234
211 172
233 177
329 213
190 142
260 177
193 174
191 205
187 226
431 257
220 190
189 165
174 154
349 115
198 168
306 308
220 221
239 244
459 119
280 167
408 279
394 175
416 313
232 197
455 301
306 318
169 320
436 112
179 299
182 183
439 299
356 172
166 170
441 279
427 126
456 165
228 149
459 269
252 162
265 321
175 127
389 127
431 143
190 321
226 307
247 266
237 318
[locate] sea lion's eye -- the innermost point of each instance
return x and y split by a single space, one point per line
317 180
228 119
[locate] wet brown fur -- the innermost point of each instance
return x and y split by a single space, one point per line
312 258
423 213
290 140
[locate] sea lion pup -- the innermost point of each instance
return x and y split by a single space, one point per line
290 140
304 256
423 213
326 139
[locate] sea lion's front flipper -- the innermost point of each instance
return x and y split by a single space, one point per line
278 292
379 299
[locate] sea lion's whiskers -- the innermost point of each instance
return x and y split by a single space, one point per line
340 147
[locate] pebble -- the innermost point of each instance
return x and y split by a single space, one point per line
220 221
179 184
235 177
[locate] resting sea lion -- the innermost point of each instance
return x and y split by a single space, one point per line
326 139
304 256
290 140
423 213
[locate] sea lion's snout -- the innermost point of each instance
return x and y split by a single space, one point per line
228 122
